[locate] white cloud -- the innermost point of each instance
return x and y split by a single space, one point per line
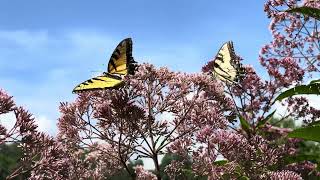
92 41
46 125
281 110
314 100
179 57
8 120
31 40
149 164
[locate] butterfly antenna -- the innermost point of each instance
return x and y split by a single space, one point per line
101 72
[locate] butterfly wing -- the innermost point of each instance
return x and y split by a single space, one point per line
120 64
226 64
100 82
121 58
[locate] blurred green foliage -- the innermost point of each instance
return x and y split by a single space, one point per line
10 155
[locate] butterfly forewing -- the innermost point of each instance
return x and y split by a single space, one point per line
121 56
226 64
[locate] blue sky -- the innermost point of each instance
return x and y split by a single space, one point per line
48 47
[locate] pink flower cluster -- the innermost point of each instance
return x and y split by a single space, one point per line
281 175
142 174
294 36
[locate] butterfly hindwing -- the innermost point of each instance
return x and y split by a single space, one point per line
121 58
226 64
99 82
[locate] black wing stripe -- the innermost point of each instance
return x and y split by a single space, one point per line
117 51
113 76
98 79
217 66
113 63
114 57
219 58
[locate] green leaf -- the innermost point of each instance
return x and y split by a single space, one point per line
311 133
243 178
263 121
244 124
300 90
187 171
307 11
220 163
315 123
315 81
301 157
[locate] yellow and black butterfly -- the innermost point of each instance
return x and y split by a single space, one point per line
226 65
120 64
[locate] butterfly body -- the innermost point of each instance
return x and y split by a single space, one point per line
226 65
121 63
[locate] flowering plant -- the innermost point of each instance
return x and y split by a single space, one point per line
220 130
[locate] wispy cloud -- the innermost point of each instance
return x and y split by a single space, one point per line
46 125
30 40
40 69
8 120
